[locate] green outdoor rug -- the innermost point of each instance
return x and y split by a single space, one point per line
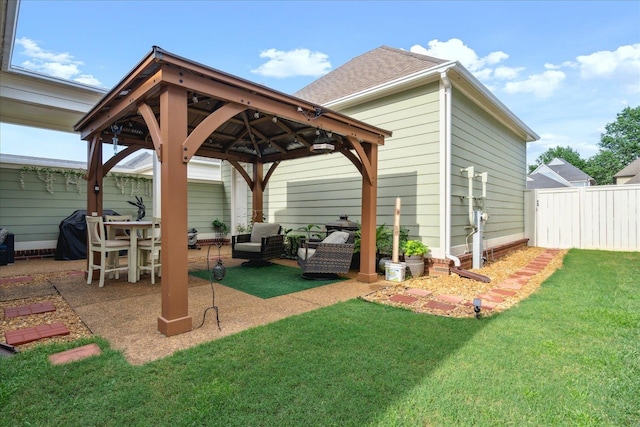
267 281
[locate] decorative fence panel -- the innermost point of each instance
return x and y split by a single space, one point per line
600 217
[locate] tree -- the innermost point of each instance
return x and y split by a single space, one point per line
622 137
602 167
567 153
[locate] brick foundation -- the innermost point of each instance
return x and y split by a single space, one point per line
51 253
35 254
440 267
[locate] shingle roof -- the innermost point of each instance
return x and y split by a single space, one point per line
634 180
539 180
632 169
567 170
378 66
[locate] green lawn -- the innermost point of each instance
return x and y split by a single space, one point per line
568 355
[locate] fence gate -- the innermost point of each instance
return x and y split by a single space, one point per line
600 217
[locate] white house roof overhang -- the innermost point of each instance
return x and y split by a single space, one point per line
31 99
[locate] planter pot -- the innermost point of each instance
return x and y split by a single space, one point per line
415 264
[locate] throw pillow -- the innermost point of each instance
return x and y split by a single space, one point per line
3 234
337 237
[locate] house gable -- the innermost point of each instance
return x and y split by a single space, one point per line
630 174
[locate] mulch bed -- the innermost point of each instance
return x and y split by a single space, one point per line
497 271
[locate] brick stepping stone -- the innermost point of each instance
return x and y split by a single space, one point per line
16 279
439 306
25 335
507 285
537 265
502 292
74 354
26 310
404 299
454 299
419 292
526 273
492 298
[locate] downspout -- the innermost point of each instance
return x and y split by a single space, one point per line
447 159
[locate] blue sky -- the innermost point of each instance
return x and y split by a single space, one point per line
565 68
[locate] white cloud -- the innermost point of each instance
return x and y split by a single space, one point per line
607 64
540 85
297 62
507 73
60 65
456 50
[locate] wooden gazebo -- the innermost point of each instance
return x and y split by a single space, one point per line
180 109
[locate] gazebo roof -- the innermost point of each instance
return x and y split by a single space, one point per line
271 126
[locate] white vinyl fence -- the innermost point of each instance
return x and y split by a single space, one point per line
601 217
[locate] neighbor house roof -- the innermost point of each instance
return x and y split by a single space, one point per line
567 170
560 171
631 171
543 181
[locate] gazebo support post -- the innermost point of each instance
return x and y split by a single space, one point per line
258 192
368 273
175 317
95 175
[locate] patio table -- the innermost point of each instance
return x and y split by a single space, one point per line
133 227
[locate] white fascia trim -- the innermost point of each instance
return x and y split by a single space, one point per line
61 83
426 76
8 31
392 86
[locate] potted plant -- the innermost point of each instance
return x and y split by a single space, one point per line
414 251
311 235
385 248
220 228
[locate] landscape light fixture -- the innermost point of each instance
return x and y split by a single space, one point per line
477 303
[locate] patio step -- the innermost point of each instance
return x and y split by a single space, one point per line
26 335
26 310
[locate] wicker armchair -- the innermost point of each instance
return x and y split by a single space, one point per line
264 243
327 259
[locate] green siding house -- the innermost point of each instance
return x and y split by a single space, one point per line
443 121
